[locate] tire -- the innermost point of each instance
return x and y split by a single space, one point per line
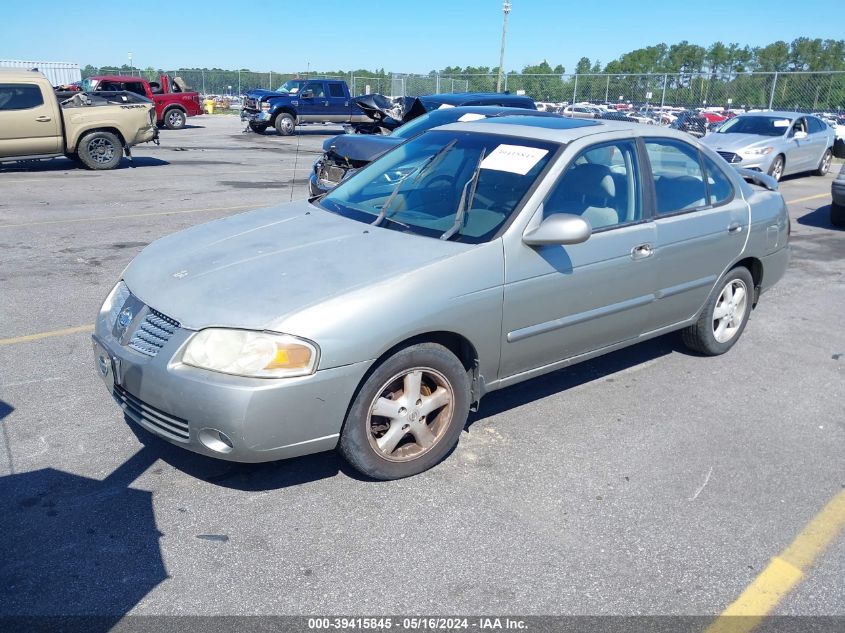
387 446
100 150
776 169
258 128
713 336
285 124
837 215
175 119
824 165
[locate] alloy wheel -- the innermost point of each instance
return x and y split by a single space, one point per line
730 310
100 150
410 414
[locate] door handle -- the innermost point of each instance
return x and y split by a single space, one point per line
734 227
43 119
642 251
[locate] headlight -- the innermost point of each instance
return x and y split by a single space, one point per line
114 302
265 106
253 354
757 152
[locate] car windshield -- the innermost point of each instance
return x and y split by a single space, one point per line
293 86
89 85
449 185
432 119
760 125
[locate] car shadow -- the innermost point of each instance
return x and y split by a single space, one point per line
567 378
66 164
75 546
819 218
247 477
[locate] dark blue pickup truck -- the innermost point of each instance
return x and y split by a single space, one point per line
301 101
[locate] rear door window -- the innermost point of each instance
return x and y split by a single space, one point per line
679 183
815 125
336 90
719 185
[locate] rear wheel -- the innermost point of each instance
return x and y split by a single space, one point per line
408 414
776 170
285 124
824 165
100 150
724 316
175 119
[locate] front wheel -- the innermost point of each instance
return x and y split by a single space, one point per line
724 316
258 128
824 165
776 170
100 150
408 414
285 124
174 119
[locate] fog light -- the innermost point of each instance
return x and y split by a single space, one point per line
216 440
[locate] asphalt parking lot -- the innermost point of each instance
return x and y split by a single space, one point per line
650 481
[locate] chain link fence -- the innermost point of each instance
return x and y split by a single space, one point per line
804 91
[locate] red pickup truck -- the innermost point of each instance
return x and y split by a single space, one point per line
173 102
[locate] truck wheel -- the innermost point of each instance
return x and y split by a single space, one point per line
174 119
258 128
285 124
100 150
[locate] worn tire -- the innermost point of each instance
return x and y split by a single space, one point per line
285 124
701 337
837 215
175 119
100 150
258 128
355 443
776 169
824 164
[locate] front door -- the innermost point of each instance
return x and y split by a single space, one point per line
563 301
29 121
313 102
701 224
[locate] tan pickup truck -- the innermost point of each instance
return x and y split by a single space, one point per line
94 130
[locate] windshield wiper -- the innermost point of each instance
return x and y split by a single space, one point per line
429 164
466 201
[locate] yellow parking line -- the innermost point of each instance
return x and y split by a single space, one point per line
137 215
784 572
815 197
36 337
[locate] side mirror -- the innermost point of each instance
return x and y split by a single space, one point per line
799 135
307 94
559 228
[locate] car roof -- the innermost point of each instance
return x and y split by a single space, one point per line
458 98
777 113
17 74
561 129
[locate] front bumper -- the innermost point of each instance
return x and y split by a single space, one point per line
255 117
264 419
761 163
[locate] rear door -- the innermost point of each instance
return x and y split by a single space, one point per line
701 227
800 150
818 140
339 109
29 121
315 106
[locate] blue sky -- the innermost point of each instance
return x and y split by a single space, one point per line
400 35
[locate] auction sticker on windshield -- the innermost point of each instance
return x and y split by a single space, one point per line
781 123
516 159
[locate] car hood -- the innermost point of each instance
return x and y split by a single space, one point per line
253 269
735 142
262 94
361 147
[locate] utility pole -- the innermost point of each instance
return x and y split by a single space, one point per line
130 63
506 8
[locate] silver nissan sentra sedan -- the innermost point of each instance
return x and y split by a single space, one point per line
471 258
